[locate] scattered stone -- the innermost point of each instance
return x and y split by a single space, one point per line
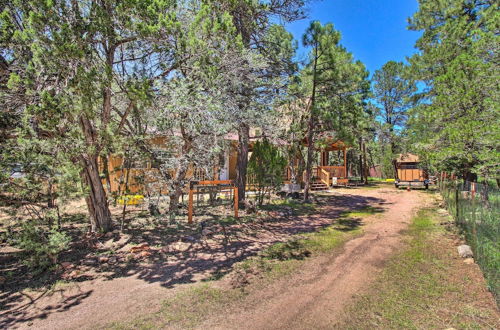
66 265
469 261
181 246
139 248
188 239
465 251
250 207
89 262
103 260
108 244
206 232
74 274
145 254
112 260
109 234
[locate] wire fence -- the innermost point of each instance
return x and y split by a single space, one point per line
476 210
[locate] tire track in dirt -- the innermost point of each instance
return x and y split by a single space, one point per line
316 296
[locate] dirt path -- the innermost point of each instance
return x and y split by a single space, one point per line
311 298
315 297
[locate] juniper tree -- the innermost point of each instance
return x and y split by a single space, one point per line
77 68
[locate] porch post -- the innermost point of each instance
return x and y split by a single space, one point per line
345 162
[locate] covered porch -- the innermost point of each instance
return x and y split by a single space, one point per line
330 168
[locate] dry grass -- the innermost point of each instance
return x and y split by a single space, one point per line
192 305
426 286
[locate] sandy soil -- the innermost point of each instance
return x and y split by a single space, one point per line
315 297
311 298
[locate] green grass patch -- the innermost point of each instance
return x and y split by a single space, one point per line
298 207
420 288
363 212
281 259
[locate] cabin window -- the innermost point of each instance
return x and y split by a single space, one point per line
409 166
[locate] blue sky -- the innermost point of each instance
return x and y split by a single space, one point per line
375 31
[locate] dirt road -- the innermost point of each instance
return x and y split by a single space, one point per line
315 297
312 298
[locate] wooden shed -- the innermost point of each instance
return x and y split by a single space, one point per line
410 172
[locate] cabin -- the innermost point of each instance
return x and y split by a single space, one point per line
133 177
409 171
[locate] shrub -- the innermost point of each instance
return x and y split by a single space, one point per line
41 249
266 167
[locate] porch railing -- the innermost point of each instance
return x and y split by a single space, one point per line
324 177
335 171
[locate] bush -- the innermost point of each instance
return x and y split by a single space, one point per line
266 167
41 249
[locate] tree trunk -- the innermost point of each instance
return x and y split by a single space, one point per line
394 162
97 202
310 130
242 161
175 190
360 158
177 185
365 162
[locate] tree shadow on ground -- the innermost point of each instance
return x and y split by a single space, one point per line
188 253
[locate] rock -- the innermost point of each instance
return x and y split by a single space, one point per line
113 244
181 246
188 239
145 254
206 232
109 234
2 280
469 261
66 265
465 251
108 244
250 206
139 248
112 260
126 248
89 262
103 260
74 274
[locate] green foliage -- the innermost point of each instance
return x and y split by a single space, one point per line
457 127
394 94
266 166
40 248
293 249
479 220
341 82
